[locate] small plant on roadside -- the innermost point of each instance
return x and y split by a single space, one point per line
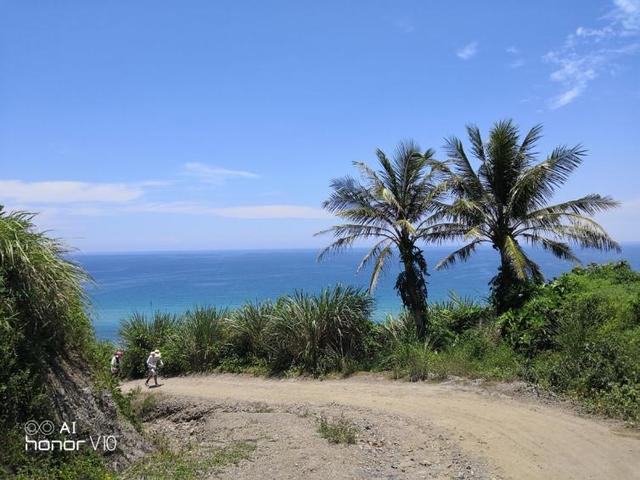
340 431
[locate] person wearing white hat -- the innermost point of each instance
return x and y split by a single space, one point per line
116 360
153 363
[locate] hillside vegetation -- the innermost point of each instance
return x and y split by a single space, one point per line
578 335
51 365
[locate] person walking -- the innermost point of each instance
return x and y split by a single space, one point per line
153 363
115 363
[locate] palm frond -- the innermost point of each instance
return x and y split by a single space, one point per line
379 267
560 249
461 254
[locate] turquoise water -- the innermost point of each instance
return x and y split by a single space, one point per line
177 281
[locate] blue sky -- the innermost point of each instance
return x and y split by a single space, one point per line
203 125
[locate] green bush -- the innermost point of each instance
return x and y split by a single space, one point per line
581 335
477 353
340 431
313 333
321 333
141 335
449 319
410 360
201 341
251 330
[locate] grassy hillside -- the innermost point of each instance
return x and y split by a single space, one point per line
50 367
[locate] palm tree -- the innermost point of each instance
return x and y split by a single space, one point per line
505 201
388 205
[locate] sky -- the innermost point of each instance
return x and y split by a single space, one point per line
195 125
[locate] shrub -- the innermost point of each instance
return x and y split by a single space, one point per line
341 431
141 335
320 333
477 353
200 342
410 360
581 334
449 319
313 333
251 330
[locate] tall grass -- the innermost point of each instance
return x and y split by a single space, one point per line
312 333
202 339
42 322
251 330
322 332
141 335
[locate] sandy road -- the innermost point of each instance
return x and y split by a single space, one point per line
520 439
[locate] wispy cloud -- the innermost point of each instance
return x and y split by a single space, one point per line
468 51
405 25
192 208
273 211
515 53
589 52
69 192
245 211
65 199
211 174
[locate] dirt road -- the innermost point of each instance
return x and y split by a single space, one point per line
518 439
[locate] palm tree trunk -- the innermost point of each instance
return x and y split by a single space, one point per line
411 286
504 286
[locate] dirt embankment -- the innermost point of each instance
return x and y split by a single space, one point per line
406 430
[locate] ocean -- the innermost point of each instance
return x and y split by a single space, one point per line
124 283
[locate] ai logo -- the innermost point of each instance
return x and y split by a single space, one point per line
46 428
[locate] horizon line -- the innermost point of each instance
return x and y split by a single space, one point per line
283 249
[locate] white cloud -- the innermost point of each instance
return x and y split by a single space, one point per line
513 50
627 13
249 212
567 97
68 192
590 52
210 174
468 51
273 211
191 208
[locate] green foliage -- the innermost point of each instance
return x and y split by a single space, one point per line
581 335
251 329
141 335
449 319
319 333
313 333
340 431
410 360
41 314
389 206
200 342
505 202
189 463
477 353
